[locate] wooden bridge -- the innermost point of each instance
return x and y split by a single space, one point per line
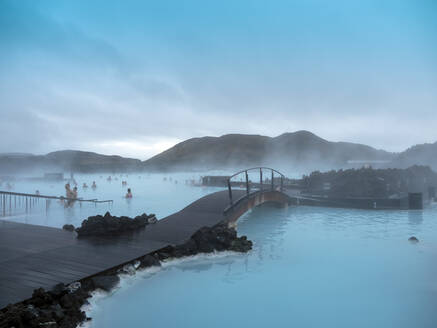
36 256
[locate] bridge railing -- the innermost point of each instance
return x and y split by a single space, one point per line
253 187
11 201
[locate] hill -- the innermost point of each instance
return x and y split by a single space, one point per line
66 161
301 149
423 154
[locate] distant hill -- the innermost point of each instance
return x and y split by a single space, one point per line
66 161
423 154
302 148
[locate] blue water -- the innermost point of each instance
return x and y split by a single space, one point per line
310 267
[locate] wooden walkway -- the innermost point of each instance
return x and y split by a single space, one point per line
37 256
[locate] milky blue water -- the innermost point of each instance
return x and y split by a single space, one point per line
310 267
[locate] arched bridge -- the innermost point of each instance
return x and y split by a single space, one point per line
268 186
264 185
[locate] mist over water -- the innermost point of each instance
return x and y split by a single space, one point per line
161 194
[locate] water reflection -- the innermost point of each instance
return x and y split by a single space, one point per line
415 217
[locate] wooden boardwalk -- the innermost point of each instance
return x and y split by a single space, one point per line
37 256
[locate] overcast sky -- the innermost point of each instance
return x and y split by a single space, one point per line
135 77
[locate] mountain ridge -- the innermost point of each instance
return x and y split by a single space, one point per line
298 149
240 150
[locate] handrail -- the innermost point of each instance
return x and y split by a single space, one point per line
260 168
95 200
235 203
256 168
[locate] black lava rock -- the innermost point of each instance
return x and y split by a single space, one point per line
109 225
56 308
220 238
208 240
149 261
105 282
68 227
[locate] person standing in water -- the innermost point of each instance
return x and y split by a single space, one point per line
94 186
74 193
69 194
129 193
68 191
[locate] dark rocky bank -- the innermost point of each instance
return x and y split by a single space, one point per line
108 225
368 182
61 307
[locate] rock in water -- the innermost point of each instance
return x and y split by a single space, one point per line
105 282
207 240
68 227
152 219
57 308
149 261
413 240
128 269
220 238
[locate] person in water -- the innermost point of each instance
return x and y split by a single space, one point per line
37 192
129 193
94 186
84 185
68 192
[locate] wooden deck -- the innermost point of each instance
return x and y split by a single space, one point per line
36 256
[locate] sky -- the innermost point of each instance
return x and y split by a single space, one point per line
134 78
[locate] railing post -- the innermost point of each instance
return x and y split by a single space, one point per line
230 191
247 184
273 186
260 179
